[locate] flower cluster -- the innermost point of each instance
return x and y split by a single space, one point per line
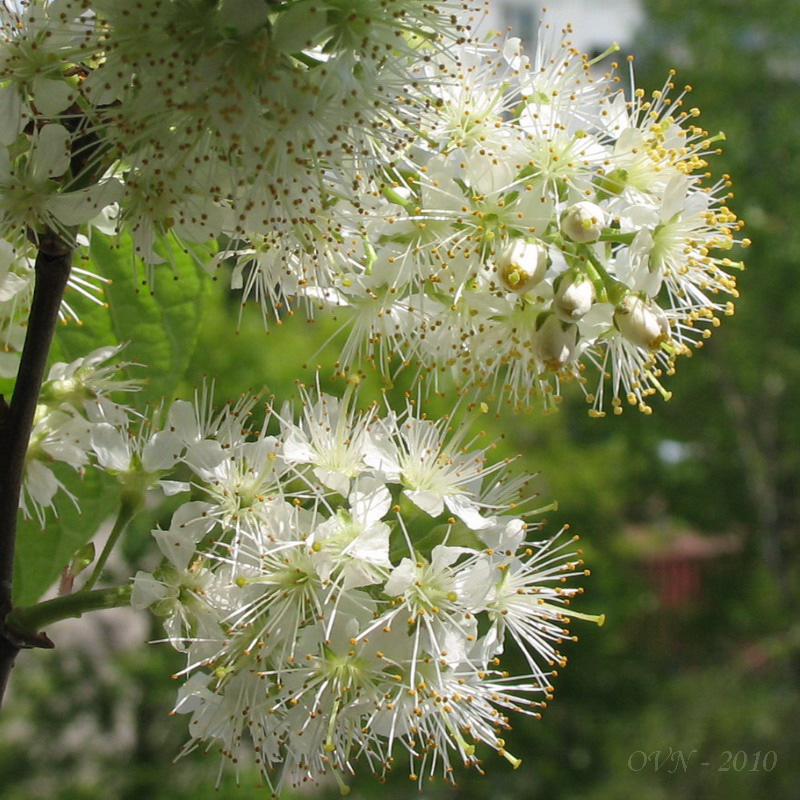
509 221
347 583
542 224
16 289
195 119
79 424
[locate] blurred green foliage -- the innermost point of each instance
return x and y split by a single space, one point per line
714 674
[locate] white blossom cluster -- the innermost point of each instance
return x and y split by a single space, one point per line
505 220
344 587
541 224
246 120
77 423
195 119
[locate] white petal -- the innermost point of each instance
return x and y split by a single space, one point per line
10 285
193 520
111 446
177 546
99 89
372 545
333 480
51 96
161 452
443 556
504 535
75 208
171 488
40 482
430 502
11 114
369 501
400 579
467 512
381 454
146 590
50 152
194 694
472 585
296 447
205 456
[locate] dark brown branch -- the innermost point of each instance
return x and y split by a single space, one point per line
52 269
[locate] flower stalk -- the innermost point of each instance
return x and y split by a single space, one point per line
129 505
26 622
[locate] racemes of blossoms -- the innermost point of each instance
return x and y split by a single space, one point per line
75 399
508 221
344 586
79 423
243 119
542 227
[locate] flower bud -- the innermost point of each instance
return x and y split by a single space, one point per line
583 222
574 295
555 340
641 321
522 264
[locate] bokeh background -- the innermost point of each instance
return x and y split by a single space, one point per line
688 518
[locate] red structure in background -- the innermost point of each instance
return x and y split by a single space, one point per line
674 561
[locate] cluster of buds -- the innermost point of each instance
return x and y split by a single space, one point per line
542 225
508 220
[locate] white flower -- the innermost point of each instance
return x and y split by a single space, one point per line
56 436
87 378
355 542
434 473
529 601
117 451
329 440
522 264
642 322
574 295
324 626
583 222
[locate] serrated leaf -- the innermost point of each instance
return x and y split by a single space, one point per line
82 558
159 322
77 339
42 554
160 328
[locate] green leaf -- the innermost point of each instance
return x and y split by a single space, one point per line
76 339
41 554
159 321
82 558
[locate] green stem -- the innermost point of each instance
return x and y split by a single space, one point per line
395 197
596 277
129 504
617 237
612 289
29 620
